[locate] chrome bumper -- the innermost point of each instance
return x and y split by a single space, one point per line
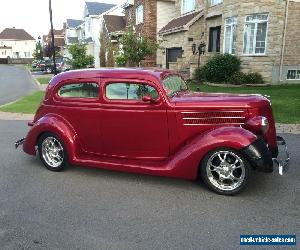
19 142
283 158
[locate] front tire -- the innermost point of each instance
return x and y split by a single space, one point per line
225 171
52 152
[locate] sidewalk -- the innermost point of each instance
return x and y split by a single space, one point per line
281 128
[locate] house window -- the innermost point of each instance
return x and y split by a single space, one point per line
215 2
255 34
187 6
293 74
140 14
214 39
230 35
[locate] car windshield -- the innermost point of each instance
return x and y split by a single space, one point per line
174 84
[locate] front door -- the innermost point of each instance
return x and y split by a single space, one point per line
130 127
172 55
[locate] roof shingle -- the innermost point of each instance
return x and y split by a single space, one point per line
179 23
95 8
15 34
73 23
114 23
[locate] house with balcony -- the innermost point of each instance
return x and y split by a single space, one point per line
16 44
264 34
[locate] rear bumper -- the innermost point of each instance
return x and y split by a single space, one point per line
262 159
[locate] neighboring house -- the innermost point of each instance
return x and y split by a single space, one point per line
16 43
264 34
112 29
148 17
59 40
72 34
93 19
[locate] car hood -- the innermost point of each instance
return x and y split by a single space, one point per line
218 99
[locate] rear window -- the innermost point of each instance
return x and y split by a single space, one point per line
79 90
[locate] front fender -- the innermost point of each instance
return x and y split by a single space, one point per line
54 124
188 158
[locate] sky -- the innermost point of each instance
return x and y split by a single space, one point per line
33 15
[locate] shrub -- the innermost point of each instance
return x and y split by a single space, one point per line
199 74
238 78
221 67
254 78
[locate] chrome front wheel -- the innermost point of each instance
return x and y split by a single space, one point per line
225 171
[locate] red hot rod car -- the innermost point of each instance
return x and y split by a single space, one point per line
147 121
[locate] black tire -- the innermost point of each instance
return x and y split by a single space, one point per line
225 171
57 152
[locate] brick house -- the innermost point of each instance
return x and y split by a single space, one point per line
148 17
59 40
264 34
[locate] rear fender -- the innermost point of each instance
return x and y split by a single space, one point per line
54 124
185 163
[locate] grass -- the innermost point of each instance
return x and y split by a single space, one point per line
26 105
44 80
285 98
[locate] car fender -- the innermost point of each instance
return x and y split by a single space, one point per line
54 124
186 161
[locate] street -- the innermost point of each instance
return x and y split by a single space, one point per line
84 208
15 82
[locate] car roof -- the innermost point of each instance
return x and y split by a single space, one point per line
125 73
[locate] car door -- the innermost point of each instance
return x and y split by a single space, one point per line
77 101
130 127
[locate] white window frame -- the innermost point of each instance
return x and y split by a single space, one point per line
234 23
297 74
256 22
215 2
139 14
183 10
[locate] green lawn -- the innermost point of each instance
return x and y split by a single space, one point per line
285 98
44 80
26 105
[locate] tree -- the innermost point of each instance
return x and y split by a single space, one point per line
102 54
80 59
38 52
48 51
133 49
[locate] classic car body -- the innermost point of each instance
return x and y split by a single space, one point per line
146 121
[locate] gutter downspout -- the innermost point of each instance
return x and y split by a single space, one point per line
284 39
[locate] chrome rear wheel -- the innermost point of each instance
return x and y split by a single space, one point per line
52 152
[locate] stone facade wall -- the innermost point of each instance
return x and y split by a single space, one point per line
292 48
199 5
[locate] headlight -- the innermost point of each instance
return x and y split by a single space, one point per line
258 124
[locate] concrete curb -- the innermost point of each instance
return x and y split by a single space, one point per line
281 128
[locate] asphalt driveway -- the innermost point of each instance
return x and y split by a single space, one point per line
15 82
84 208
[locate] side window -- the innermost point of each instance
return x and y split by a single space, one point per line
79 90
129 91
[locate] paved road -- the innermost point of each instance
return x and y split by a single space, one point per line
15 82
85 208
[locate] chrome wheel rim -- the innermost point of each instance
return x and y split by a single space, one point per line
52 152
225 170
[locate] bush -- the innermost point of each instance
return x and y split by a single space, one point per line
221 67
254 78
238 78
199 74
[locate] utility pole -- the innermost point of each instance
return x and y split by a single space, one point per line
52 38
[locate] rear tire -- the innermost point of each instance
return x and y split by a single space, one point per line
52 152
225 171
